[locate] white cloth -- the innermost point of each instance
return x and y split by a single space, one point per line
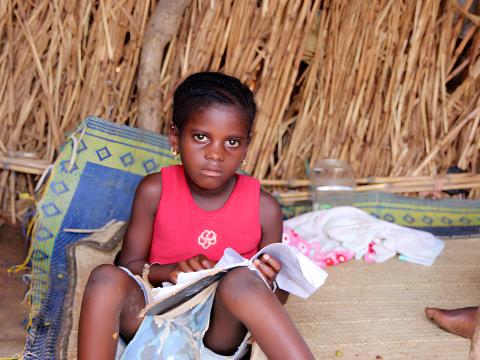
355 230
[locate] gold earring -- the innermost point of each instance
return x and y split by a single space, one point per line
244 163
174 153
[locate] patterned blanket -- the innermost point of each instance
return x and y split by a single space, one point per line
86 189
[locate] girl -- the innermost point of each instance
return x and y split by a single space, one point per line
182 220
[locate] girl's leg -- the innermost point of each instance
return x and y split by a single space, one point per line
243 301
111 304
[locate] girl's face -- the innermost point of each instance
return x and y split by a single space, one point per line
212 145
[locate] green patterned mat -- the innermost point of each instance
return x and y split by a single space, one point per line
446 217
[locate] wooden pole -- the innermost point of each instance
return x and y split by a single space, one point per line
161 28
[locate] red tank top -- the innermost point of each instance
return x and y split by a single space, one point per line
182 229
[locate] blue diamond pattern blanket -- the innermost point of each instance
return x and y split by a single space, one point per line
90 184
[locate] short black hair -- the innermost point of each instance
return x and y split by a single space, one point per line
203 89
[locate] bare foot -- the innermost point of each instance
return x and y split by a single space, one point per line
457 321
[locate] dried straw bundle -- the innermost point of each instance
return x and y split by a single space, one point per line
61 61
356 80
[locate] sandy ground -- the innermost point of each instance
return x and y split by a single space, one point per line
13 313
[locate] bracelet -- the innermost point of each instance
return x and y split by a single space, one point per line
146 272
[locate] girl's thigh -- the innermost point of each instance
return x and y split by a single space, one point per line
111 303
134 302
235 293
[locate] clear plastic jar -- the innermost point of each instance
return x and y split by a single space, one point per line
332 183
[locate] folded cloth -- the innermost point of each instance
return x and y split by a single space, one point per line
367 237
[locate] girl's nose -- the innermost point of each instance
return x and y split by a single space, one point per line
215 152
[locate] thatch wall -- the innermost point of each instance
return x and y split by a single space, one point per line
391 86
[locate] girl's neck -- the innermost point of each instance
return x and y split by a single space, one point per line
211 199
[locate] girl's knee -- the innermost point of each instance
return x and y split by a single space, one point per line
240 284
106 275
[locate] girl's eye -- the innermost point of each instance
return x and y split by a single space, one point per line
233 143
200 137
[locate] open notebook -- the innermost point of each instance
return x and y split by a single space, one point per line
298 276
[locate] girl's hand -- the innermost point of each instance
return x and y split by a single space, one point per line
196 263
268 266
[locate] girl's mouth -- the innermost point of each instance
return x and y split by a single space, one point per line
211 172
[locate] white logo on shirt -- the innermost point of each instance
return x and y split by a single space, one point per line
207 238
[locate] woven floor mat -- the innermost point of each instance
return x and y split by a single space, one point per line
376 311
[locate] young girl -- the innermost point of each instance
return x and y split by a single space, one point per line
182 220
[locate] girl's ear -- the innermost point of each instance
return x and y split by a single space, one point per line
174 137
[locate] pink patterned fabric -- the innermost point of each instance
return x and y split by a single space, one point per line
313 249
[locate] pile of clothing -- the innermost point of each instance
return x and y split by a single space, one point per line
329 237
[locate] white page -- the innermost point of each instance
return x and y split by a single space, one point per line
298 275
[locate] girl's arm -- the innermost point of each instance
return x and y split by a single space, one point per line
139 233
271 220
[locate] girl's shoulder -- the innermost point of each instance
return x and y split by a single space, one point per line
268 203
149 190
271 219
152 183
270 210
